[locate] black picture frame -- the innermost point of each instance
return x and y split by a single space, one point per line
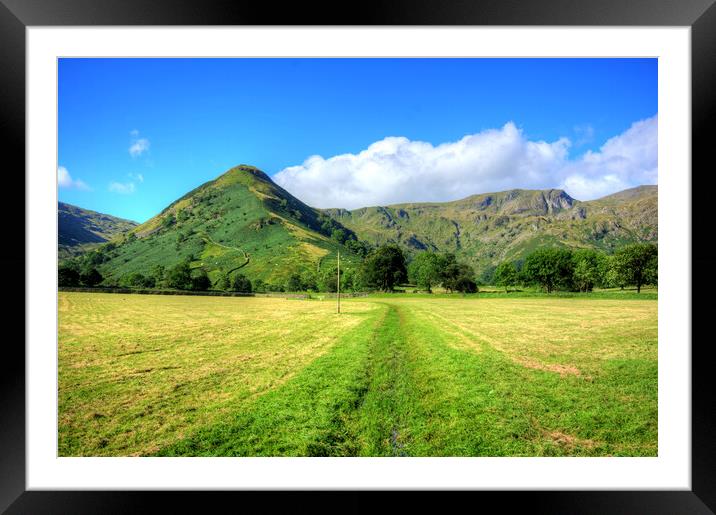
16 15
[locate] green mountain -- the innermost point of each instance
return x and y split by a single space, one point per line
489 228
242 221
81 229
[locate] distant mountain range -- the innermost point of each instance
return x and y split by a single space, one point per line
488 228
81 229
244 221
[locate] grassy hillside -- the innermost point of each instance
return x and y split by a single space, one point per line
488 228
240 221
81 229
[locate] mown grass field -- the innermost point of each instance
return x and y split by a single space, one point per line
390 376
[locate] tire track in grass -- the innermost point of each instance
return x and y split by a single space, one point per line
358 400
382 421
311 415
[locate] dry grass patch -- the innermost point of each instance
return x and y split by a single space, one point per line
565 336
153 364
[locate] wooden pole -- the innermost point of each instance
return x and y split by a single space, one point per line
338 288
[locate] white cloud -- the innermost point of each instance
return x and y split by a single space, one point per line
137 145
624 161
65 180
397 169
584 134
136 176
124 188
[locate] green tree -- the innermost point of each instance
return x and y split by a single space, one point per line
587 271
241 284
68 276
637 264
327 280
294 283
424 270
259 285
274 287
455 276
223 283
159 274
505 275
136 280
200 280
339 235
384 268
550 268
360 248
348 277
487 276
308 280
465 284
179 277
610 273
90 277
94 258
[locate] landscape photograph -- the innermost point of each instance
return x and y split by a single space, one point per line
357 257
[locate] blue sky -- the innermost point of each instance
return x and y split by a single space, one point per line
135 134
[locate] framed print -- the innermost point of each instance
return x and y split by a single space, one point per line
441 276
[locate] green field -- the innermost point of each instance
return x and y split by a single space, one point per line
391 375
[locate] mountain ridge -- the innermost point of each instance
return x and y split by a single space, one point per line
270 234
79 229
487 228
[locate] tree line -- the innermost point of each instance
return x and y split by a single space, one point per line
582 269
386 266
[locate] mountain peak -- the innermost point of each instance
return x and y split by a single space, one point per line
631 193
244 169
518 201
245 174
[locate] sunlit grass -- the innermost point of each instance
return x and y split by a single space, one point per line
390 376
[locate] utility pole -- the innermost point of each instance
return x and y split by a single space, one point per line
338 288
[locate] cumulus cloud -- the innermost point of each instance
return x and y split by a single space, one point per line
397 169
65 180
137 145
627 160
124 188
